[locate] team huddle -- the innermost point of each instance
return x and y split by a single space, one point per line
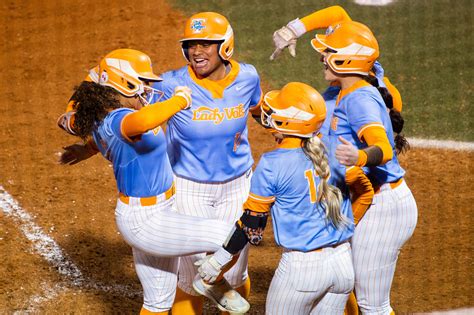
189 202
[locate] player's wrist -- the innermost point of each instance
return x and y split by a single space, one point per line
362 158
297 27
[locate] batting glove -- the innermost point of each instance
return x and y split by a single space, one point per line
210 267
184 92
286 37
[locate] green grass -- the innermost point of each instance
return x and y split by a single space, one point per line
426 50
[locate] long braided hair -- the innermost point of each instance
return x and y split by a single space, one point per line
329 195
401 143
92 102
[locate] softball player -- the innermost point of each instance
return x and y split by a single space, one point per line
286 37
207 145
312 217
365 123
129 136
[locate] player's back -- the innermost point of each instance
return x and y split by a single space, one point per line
141 167
299 220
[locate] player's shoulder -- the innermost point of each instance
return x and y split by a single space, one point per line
176 76
247 69
364 95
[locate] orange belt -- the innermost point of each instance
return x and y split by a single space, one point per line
392 185
150 201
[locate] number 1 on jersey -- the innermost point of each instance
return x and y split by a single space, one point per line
312 186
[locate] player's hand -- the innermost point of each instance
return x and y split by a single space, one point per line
184 92
253 224
282 38
210 267
76 153
346 153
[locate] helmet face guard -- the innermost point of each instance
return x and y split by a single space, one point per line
209 26
349 48
297 109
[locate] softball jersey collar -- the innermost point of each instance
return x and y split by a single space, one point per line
217 87
355 86
290 143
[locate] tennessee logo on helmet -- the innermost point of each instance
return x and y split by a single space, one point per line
197 25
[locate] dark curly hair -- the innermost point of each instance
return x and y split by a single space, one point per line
401 143
92 102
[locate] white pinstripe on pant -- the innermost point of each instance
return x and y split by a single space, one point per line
316 282
383 230
158 236
223 201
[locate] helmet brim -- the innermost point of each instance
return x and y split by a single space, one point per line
271 98
150 76
319 43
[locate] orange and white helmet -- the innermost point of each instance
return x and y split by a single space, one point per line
349 47
297 109
209 26
126 70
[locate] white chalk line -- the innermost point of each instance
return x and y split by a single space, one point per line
441 144
47 248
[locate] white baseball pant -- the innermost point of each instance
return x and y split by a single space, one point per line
378 238
317 282
222 201
158 236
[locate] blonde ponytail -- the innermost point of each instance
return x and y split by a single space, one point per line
329 195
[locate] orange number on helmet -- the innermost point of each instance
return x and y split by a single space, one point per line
312 187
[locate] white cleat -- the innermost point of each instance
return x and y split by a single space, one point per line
222 294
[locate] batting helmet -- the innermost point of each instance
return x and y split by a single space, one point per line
209 26
350 47
297 109
125 70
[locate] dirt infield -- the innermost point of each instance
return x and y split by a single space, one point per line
46 48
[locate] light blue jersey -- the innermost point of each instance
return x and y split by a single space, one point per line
141 167
330 97
286 176
360 107
208 142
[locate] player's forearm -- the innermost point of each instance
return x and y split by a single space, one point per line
151 116
379 150
324 18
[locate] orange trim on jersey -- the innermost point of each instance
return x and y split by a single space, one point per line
370 125
290 143
359 84
374 134
259 203
150 117
325 17
217 87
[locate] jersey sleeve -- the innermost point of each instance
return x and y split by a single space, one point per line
262 190
363 112
324 18
115 122
257 94
166 87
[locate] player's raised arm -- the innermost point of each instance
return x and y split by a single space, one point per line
287 35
